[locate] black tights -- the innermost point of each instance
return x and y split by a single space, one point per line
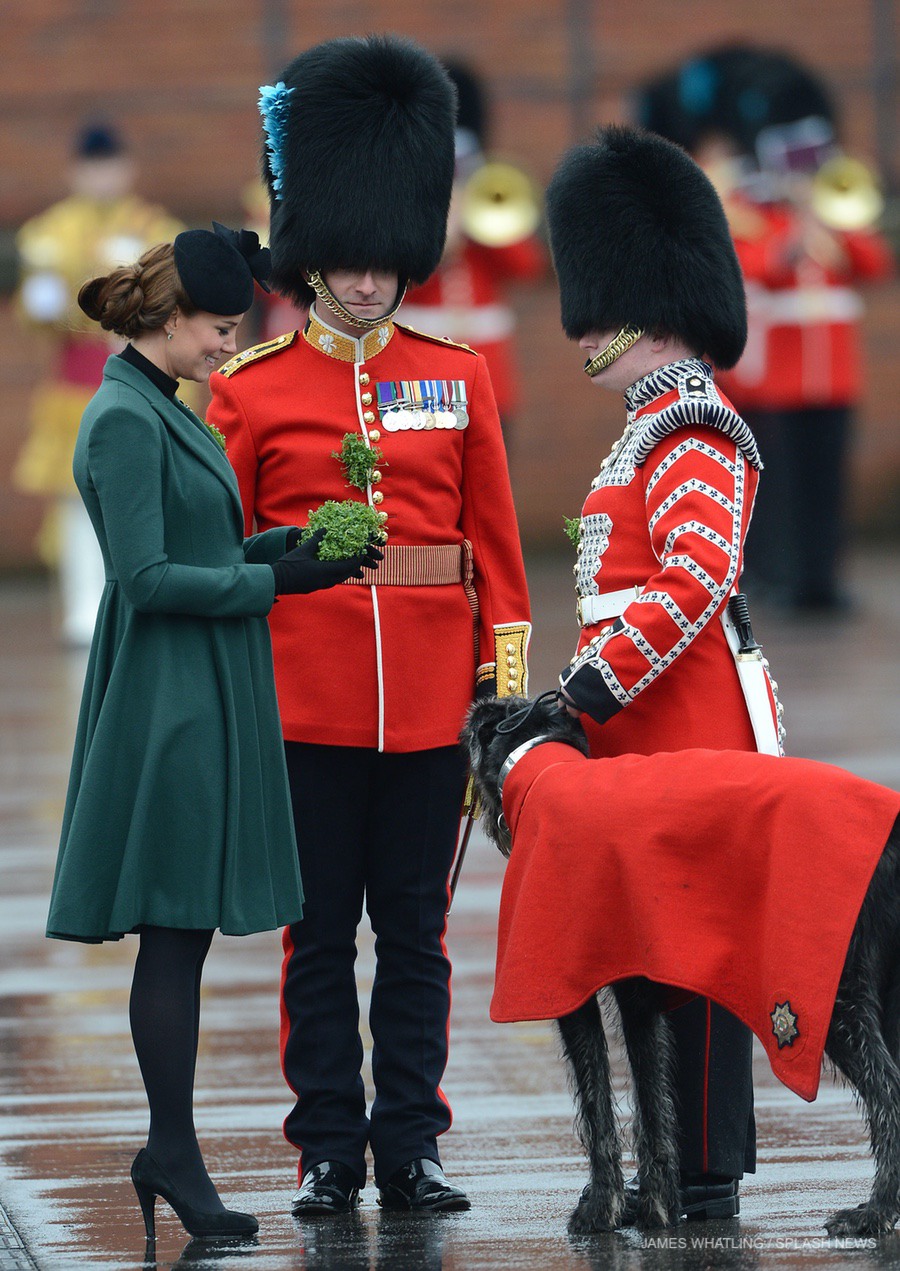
165 1026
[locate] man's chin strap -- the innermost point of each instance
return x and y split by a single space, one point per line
618 345
317 282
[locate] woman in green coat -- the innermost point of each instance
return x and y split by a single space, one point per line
178 817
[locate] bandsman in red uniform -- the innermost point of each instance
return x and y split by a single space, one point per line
651 290
466 298
764 127
374 685
798 383
100 225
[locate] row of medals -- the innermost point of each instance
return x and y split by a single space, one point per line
398 419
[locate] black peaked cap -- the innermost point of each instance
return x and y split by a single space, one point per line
367 162
639 238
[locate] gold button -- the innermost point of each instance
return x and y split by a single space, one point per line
511 685
382 516
376 476
377 497
364 377
510 648
513 673
366 399
511 662
368 417
374 434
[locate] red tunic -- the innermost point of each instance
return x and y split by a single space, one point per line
464 300
389 667
668 514
803 346
736 876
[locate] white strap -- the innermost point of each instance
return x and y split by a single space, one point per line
612 604
751 671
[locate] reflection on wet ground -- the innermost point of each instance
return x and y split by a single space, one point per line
72 1108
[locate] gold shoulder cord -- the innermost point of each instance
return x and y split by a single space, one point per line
434 339
255 352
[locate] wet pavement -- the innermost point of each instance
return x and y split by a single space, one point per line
72 1112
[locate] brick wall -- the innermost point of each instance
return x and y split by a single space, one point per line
181 76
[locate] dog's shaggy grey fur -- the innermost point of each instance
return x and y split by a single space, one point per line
863 1039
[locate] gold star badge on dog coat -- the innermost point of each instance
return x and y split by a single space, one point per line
784 1024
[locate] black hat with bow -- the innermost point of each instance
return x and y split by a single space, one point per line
218 267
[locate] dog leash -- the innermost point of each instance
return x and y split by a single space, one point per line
471 815
521 716
471 807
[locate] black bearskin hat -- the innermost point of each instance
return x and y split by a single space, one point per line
472 106
639 238
364 165
764 88
736 90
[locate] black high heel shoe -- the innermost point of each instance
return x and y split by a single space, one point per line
150 1181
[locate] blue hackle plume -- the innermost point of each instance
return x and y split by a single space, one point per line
273 106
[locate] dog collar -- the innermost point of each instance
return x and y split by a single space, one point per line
515 755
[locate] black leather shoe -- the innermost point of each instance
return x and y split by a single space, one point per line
421 1184
328 1188
703 1196
709 1196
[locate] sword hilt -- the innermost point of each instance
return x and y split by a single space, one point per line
739 612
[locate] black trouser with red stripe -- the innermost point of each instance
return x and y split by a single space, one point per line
380 829
714 1090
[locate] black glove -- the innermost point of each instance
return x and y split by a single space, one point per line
300 571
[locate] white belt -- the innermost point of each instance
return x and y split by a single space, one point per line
612 604
460 322
804 305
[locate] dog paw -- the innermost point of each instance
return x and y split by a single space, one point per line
643 1207
630 1208
864 1220
654 1211
595 1211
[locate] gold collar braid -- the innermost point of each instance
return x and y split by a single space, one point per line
618 345
330 301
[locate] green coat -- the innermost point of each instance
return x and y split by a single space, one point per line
178 810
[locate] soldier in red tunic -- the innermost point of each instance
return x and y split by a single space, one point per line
652 291
374 686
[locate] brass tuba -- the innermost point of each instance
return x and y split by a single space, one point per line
500 205
845 194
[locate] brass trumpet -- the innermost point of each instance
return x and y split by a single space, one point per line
500 205
845 194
